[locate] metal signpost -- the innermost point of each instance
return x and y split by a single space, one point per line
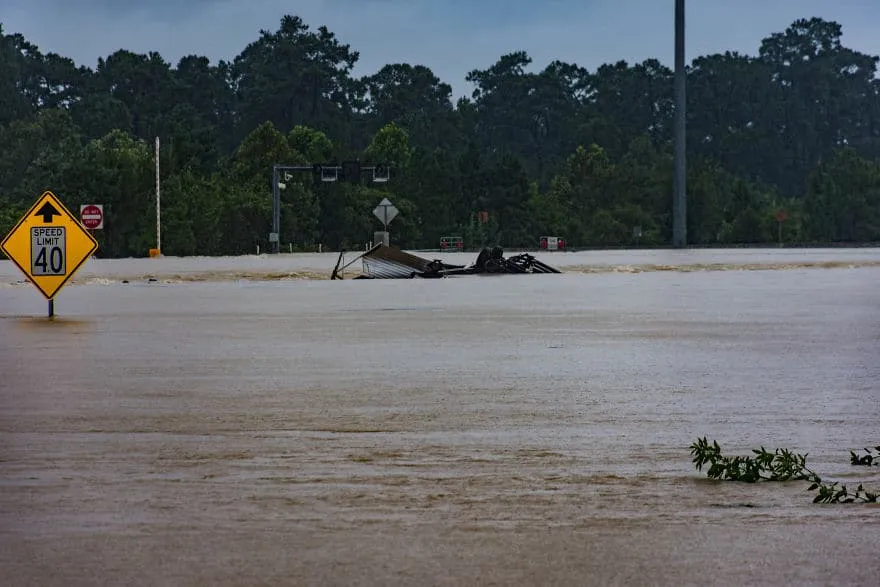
781 216
385 212
49 244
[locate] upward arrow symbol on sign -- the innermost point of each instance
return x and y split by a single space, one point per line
47 211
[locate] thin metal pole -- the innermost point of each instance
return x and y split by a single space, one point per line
158 204
276 209
679 203
52 308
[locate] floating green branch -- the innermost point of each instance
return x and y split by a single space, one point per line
779 465
833 493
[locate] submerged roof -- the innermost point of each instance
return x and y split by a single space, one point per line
384 262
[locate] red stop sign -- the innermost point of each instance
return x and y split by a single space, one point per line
92 217
781 216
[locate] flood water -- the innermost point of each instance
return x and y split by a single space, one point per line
231 422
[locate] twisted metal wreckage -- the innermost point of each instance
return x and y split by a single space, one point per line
384 262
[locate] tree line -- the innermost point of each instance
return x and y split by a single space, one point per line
557 151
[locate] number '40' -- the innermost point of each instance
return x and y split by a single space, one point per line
51 262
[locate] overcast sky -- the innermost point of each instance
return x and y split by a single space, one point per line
451 37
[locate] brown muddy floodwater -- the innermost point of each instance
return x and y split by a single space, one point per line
514 430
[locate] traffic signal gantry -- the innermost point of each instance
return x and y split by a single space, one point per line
348 171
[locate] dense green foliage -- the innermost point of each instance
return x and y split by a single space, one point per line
553 151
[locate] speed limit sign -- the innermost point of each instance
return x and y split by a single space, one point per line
49 244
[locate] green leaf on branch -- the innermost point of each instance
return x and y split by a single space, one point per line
779 465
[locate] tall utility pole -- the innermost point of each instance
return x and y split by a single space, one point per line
158 204
275 235
679 202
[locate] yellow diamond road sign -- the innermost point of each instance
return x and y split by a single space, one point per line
49 245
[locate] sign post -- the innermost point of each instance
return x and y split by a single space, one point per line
49 245
781 217
385 212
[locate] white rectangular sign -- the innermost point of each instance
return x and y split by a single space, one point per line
48 250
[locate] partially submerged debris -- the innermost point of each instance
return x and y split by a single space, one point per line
384 262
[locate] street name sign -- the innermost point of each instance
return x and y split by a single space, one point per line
49 244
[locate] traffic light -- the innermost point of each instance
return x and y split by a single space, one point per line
326 172
351 172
